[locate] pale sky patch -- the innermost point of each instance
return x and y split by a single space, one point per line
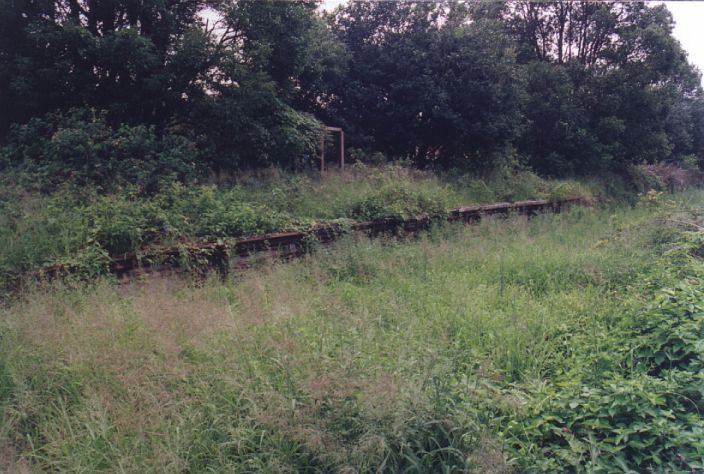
689 29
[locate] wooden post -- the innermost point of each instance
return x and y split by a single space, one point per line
322 154
342 150
342 147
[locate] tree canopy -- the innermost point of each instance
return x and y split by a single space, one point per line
564 87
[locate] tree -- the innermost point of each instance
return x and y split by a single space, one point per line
158 63
420 87
574 87
268 76
627 78
121 56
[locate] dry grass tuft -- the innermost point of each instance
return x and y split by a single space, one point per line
489 458
11 463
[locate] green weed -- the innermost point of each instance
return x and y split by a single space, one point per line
541 344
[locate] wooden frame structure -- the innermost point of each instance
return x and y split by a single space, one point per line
342 147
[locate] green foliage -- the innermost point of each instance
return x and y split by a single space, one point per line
641 410
639 423
668 336
570 343
213 213
446 85
511 344
154 70
81 148
591 106
395 201
468 110
571 107
651 198
643 181
81 229
249 127
429 446
38 231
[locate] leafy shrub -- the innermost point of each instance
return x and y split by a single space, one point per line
513 185
35 231
395 200
81 147
664 176
652 199
669 335
121 224
232 219
206 211
568 189
82 226
641 412
640 424
82 230
359 156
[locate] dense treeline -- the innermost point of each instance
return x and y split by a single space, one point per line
110 90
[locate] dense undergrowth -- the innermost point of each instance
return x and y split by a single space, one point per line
566 343
82 227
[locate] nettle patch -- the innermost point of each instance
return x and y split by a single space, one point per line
641 410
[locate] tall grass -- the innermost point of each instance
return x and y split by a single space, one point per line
337 193
372 355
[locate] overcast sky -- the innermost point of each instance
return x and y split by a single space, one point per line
689 27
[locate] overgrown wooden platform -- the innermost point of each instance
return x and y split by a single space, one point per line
226 255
